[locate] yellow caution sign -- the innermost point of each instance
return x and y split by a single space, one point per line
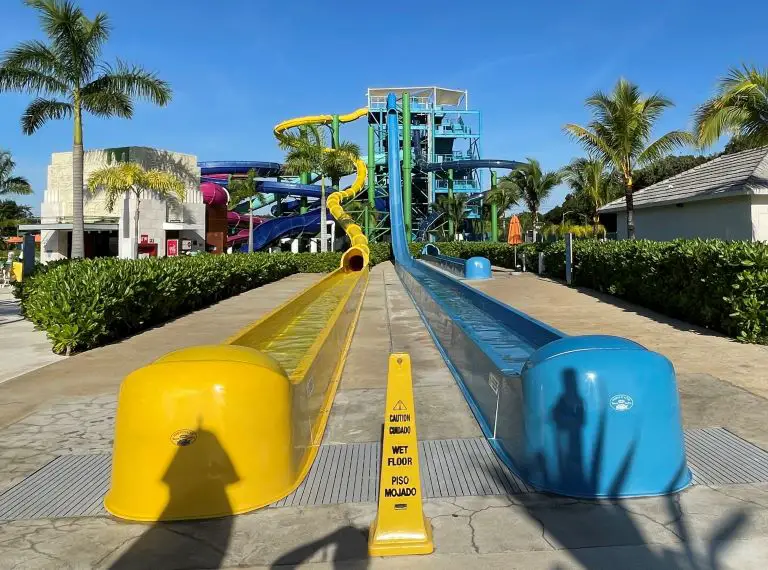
400 527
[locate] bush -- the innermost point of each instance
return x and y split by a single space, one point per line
716 284
86 303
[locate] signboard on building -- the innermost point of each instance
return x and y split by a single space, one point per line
172 248
144 238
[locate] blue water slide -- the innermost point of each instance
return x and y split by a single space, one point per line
592 416
277 228
457 165
265 169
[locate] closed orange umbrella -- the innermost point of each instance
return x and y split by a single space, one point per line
515 234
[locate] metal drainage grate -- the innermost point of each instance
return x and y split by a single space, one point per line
68 486
449 468
74 485
718 457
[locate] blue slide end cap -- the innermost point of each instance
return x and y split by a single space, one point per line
477 268
602 419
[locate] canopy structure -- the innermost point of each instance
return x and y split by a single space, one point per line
435 95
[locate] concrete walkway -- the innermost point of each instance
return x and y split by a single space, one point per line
703 528
22 348
721 382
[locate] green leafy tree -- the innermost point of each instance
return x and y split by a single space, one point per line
505 195
620 134
307 151
666 168
454 210
740 108
591 179
11 215
68 79
534 186
243 188
129 178
10 184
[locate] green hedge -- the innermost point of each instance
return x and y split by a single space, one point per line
716 284
82 304
87 303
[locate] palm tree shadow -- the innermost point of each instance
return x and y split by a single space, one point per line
586 526
189 544
351 550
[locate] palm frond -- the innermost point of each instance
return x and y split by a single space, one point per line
131 81
739 108
664 145
107 103
40 111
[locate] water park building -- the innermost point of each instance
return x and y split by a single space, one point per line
111 233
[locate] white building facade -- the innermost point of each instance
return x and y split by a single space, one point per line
111 233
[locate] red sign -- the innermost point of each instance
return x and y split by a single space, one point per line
144 238
172 248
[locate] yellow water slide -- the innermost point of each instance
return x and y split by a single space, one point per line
223 429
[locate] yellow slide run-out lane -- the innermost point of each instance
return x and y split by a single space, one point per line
224 429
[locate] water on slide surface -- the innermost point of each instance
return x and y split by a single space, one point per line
290 343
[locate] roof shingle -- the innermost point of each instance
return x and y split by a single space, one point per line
743 172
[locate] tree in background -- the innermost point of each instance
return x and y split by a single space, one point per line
11 215
534 186
505 195
739 108
591 179
129 178
666 167
67 79
243 188
454 209
620 134
307 151
10 184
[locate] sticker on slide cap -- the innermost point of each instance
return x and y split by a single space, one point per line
622 402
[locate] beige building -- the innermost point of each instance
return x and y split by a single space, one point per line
112 232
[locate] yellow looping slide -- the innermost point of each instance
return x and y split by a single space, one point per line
357 256
223 429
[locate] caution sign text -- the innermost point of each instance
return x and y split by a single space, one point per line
400 526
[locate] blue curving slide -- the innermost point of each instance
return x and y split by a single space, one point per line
589 416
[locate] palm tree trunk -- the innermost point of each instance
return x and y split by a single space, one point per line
630 210
323 218
78 222
135 252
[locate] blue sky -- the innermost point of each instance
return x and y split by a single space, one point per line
237 67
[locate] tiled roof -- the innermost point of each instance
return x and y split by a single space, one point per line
744 172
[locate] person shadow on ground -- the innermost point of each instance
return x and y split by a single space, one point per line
604 523
350 552
195 543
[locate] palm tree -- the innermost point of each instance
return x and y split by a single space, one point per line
590 178
534 186
453 208
241 189
505 195
68 79
620 134
10 184
740 107
129 178
307 151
